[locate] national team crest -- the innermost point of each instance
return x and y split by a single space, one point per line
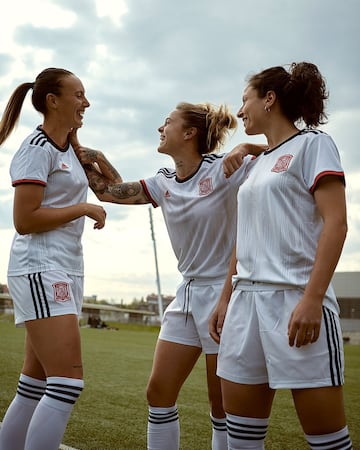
205 186
61 291
282 164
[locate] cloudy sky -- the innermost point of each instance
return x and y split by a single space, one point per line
137 59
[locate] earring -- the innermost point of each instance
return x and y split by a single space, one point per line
267 109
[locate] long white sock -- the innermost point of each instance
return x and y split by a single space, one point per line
219 433
340 440
246 432
51 416
18 415
163 428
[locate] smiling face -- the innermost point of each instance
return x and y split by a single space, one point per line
171 133
71 103
252 111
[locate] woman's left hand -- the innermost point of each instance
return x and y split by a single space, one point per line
304 323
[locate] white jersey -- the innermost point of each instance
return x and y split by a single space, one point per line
200 215
279 224
41 161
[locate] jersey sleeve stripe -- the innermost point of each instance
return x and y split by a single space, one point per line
28 181
153 202
323 174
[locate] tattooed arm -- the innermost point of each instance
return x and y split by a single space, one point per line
106 182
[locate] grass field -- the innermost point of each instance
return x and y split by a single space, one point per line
112 411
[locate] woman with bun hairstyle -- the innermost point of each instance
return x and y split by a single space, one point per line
281 327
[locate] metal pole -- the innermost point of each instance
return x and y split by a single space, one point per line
156 266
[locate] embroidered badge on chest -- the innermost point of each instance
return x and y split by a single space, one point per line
61 291
205 186
282 164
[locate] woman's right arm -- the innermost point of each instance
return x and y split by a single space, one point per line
106 182
30 217
217 318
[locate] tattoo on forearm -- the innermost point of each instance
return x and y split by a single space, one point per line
91 154
124 190
97 182
101 185
114 173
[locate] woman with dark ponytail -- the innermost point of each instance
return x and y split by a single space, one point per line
45 273
281 326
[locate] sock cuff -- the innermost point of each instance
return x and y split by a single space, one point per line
247 420
79 382
33 381
162 410
161 416
61 392
30 389
218 423
320 441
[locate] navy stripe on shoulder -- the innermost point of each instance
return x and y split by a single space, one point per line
212 157
311 130
39 139
168 173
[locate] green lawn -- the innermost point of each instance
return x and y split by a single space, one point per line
112 411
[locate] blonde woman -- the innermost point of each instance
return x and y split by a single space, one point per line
199 208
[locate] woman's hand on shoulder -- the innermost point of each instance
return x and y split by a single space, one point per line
234 159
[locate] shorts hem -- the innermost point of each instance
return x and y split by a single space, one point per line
178 341
242 380
302 384
20 322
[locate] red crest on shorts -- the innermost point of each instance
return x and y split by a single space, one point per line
61 291
282 164
205 186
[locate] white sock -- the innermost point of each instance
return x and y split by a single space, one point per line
219 433
18 415
246 432
51 416
163 428
340 440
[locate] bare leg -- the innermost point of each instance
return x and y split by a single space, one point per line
320 410
172 365
218 419
247 400
247 409
214 387
52 353
53 347
53 344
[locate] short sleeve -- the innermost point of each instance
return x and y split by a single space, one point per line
321 158
30 165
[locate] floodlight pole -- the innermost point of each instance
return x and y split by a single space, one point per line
156 265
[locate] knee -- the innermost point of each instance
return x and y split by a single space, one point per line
160 394
152 392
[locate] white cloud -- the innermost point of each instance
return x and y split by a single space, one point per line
137 60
